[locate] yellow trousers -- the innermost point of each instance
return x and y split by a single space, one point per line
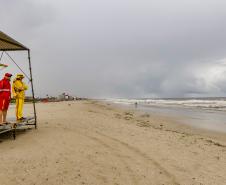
19 108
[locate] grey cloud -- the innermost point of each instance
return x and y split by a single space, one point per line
123 48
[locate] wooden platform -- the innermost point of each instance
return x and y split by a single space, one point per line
15 125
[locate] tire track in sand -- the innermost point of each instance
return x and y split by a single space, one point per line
119 157
127 171
147 160
108 142
118 148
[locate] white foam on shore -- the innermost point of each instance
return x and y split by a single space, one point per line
213 104
202 113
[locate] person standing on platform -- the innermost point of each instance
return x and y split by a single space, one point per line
19 88
5 96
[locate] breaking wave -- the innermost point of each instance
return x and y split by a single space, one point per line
203 103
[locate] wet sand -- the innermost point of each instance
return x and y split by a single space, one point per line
89 142
209 119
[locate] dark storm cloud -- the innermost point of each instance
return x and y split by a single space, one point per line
123 48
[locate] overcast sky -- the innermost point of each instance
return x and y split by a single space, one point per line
121 48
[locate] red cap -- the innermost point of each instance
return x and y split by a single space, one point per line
8 75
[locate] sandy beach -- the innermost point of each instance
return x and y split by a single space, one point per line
95 143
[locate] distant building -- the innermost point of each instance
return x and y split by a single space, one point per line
65 97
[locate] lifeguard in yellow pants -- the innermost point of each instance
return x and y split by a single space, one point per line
18 89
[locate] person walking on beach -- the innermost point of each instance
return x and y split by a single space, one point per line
19 88
135 104
5 96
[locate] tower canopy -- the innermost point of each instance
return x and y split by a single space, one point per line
9 44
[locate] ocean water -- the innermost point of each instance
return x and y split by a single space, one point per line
205 113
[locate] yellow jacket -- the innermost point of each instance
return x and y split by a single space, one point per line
19 88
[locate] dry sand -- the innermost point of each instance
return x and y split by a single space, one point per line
93 143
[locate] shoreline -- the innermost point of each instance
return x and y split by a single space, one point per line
171 121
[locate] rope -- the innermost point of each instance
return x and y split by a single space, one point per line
1 56
18 66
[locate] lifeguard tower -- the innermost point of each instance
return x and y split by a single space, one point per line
9 44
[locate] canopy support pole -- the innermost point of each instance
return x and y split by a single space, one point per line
32 88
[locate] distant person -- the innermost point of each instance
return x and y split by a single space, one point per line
135 104
19 88
5 96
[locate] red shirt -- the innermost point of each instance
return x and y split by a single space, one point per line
5 88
